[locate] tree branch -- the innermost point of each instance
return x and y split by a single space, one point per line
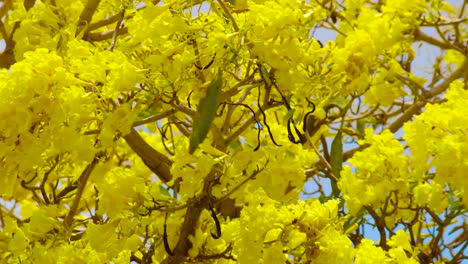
107 34
86 15
105 22
155 118
156 161
248 123
116 31
463 70
407 115
188 228
419 35
229 15
204 200
6 5
380 224
418 105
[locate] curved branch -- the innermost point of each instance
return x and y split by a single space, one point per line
380 224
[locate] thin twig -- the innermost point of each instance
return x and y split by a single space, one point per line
79 193
107 34
2 220
253 175
229 15
247 123
182 129
44 180
154 118
323 159
443 23
116 30
186 110
109 20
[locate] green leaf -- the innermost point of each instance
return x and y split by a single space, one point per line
454 202
341 102
265 75
206 112
336 160
236 145
312 125
164 191
289 115
150 111
358 219
147 113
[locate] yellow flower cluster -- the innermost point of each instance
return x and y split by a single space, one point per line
382 176
42 109
438 142
378 170
301 232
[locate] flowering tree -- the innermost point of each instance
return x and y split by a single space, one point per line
186 131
